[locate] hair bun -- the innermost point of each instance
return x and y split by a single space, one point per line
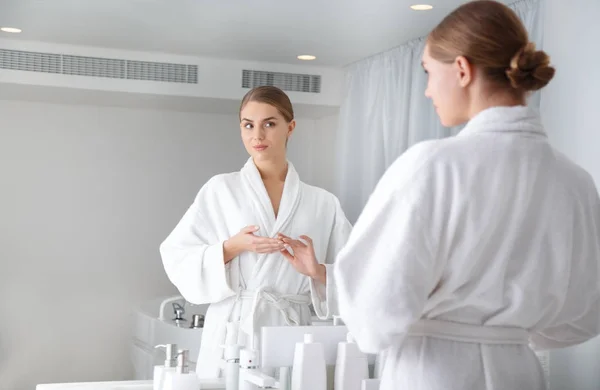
530 69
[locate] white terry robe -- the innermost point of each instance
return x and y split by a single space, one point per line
490 228
253 289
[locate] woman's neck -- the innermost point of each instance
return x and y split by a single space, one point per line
272 169
498 99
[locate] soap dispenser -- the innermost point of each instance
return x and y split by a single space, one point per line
309 371
351 366
231 357
232 366
182 378
169 366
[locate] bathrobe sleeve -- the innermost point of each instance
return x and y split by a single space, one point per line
192 254
571 333
579 319
324 297
387 270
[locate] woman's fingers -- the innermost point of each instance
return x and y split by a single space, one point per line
249 229
307 239
268 248
266 240
284 238
294 243
287 254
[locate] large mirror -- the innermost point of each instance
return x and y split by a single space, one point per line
114 114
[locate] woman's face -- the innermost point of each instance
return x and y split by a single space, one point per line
446 88
264 131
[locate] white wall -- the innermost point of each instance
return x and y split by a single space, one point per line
570 113
87 195
312 151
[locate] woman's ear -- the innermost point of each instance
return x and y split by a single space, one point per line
291 127
464 71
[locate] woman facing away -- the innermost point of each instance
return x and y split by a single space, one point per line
475 249
231 248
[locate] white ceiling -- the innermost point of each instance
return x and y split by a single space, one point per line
338 32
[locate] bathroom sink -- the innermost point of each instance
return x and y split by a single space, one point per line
149 330
121 385
153 326
207 384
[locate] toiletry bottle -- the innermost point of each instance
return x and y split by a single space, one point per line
231 356
370 384
248 362
284 378
182 378
351 366
309 369
169 366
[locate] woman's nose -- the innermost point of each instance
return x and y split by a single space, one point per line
259 133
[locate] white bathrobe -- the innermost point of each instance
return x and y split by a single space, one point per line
469 249
253 289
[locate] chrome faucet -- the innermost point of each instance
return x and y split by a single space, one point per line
179 311
197 321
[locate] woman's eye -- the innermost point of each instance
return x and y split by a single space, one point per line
269 124
248 125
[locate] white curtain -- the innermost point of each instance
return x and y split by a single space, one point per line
385 111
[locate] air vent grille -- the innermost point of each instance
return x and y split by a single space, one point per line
29 61
174 73
285 81
93 67
98 67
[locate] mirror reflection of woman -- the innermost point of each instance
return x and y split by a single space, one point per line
258 244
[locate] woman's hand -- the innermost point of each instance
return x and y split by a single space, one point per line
304 259
246 241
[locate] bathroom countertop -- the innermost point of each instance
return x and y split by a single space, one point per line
137 385
123 385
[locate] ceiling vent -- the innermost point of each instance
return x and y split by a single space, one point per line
98 67
285 81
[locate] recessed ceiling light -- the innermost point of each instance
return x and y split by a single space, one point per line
11 30
307 57
421 7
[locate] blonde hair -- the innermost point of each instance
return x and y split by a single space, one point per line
492 37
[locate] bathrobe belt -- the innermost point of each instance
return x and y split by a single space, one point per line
467 333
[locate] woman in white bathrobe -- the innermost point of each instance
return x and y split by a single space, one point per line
475 249
233 247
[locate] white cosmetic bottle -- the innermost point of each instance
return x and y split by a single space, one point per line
182 378
370 384
351 367
232 367
284 378
169 366
231 357
248 364
309 371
